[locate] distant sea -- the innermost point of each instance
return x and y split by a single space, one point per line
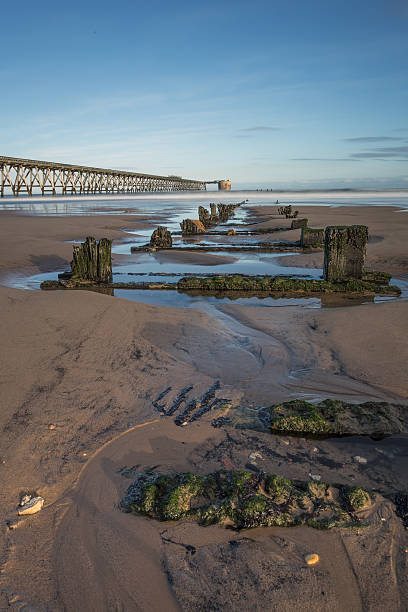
183 203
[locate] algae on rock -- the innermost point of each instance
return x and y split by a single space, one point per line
336 417
286 285
244 500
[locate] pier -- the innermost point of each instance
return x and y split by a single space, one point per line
31 177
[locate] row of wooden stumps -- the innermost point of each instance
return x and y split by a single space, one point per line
161 237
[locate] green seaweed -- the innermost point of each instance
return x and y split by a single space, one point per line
303 417
282 285
356 498
243 500
335 417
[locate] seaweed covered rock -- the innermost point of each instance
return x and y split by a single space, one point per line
298 223
344 252
191 226
336 417
92 261
312 238
373 276
284 285
161 238
244 500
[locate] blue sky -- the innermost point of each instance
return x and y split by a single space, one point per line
269 94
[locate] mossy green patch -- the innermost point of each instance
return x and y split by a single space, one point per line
243 500
336 417
284 285
356 498
298 416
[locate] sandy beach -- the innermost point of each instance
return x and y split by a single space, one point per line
78 374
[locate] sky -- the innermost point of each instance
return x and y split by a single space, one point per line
269 94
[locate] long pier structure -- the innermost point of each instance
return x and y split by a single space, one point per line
28 175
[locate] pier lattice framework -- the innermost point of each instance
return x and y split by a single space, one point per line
28 176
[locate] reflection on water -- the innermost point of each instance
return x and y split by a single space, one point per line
193 299
244 262
187 203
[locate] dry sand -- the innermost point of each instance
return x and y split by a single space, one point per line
91 365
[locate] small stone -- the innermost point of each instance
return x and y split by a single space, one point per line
315 450
84 454
51 426
34 505
24 500
231 232
315 477
255 455
285 442
312 559
359 459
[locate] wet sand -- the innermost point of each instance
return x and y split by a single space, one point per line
387 226
91 365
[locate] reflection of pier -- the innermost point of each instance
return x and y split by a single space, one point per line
31 176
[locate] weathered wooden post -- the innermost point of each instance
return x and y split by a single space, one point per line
204 216
311 237
344 251
191 226
161 238
104 261
298 223
92 261
213 216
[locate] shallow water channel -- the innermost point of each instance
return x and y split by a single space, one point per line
162 266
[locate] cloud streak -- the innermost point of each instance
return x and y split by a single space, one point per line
393 153
324 159
261 128
374 139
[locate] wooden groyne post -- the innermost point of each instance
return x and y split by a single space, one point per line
344 252
92 260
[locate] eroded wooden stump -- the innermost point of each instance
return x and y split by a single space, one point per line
92 260
312 237
344 252
161 238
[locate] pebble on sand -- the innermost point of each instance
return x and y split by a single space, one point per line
359 459
34 505
51 426
312 559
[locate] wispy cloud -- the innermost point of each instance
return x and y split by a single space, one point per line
394 153
261 128
324 159
374 139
